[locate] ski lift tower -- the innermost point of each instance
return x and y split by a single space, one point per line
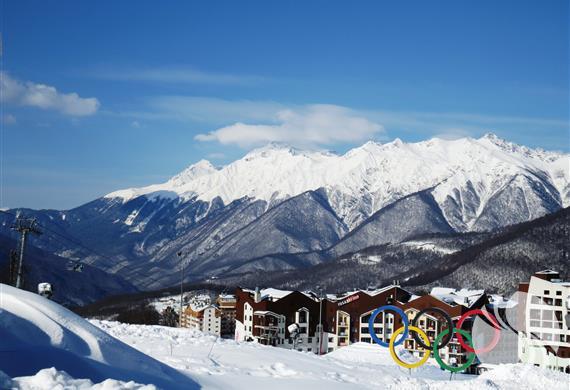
24 226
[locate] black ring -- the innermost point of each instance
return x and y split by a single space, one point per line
446 339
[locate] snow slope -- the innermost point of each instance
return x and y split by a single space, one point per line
469 171
36 333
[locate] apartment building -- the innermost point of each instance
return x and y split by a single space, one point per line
545 339
202 316
227 305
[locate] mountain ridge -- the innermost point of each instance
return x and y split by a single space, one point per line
257 213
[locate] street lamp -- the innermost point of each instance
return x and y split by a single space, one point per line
181 287
320 291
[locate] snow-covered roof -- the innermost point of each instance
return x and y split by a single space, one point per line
200 306
547 272
274 293
414 297
372 293
270 293
499 301
461 297
266 312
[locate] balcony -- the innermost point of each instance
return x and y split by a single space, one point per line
266 326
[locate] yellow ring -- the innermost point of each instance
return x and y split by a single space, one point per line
424 337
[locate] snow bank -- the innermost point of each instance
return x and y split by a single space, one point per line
50 379
36 333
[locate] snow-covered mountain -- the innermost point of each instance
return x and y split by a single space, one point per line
466 176
277 200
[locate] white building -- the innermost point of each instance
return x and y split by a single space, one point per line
204 316
545 341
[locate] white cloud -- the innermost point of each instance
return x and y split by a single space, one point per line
251 122
45 97
318 124
135 124
186 75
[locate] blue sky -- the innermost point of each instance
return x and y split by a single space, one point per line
98 96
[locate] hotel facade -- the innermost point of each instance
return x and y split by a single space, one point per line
544 339
265 315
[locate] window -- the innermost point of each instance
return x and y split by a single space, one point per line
547 336
310 340
547 315
558 292
364 330
535 299
558 302
290 341
535 314
546 292
548 301
302 316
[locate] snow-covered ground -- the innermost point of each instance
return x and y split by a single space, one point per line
227 364
37 334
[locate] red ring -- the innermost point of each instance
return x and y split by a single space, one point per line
496 336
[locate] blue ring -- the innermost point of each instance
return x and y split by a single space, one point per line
373 317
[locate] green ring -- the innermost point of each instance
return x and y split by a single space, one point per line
465 365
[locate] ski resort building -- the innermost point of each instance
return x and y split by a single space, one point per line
545 341
205 317
227 305
296 320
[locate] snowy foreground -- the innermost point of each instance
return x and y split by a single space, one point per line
44 346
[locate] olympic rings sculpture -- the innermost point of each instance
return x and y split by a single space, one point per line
373 318
441 340
496 335
420 362
447 320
